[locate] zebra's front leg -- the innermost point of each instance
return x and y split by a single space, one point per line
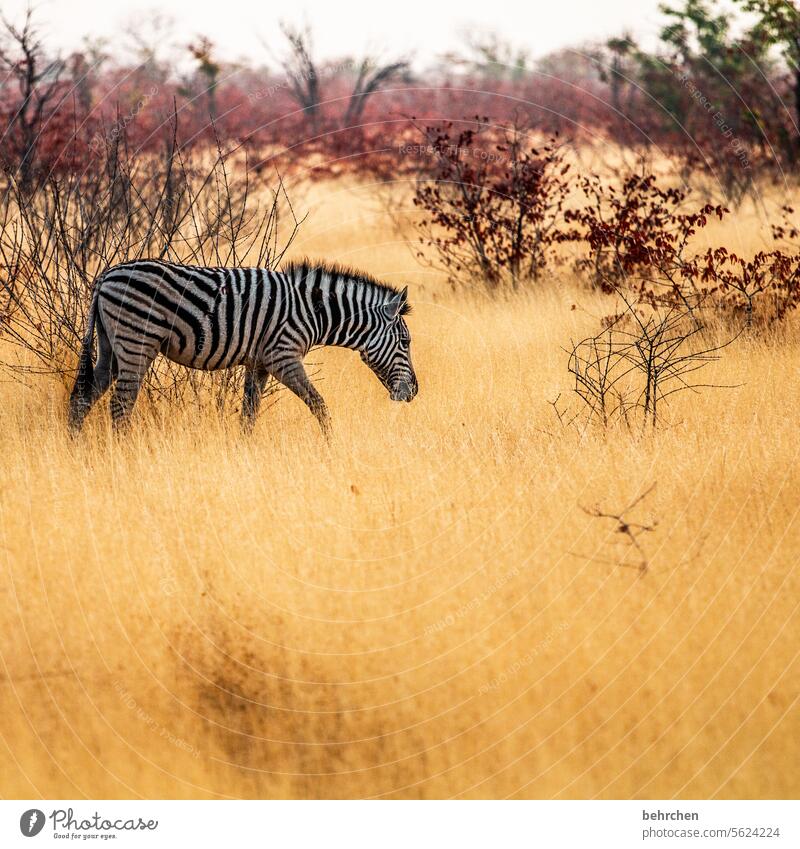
255 380
293 376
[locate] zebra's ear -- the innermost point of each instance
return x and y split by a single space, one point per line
394 307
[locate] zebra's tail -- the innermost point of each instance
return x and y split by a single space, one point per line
80 400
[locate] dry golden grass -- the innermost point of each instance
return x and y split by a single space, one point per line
420 608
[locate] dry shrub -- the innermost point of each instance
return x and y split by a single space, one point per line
643 356
186 205
636 234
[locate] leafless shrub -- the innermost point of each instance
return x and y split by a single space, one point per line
185 206
600 369
640 359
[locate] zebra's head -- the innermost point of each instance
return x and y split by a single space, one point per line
387 349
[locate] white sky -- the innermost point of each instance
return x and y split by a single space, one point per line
240 28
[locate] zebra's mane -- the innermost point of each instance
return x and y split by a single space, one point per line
349 275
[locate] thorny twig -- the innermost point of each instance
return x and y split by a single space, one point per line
631 530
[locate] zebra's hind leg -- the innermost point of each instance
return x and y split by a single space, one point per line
254 381
293 376
84 396
132 369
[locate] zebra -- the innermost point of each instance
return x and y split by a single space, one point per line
214 318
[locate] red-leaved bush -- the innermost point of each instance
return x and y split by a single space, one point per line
492 202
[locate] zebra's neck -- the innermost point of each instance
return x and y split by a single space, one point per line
342 307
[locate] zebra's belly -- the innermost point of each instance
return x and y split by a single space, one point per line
208 350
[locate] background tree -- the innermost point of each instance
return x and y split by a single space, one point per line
301 73
619 67
24 59
371 77
713 99
490 56
779 25
150 39
202 50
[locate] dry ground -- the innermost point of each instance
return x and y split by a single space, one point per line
421 608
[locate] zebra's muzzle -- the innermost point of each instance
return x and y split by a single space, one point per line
402 392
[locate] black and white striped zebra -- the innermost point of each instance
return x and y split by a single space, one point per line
214 318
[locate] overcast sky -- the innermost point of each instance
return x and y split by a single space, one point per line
341 27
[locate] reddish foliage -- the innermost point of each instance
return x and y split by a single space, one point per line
636 231
639 241
492 203
771 280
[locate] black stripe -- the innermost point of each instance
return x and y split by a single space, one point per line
278 303
158 297
120 321
190 273
184 290
145 316
257 316
316 302
335 330
213 322
230 306
248 275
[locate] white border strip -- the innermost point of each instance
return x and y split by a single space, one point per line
403 824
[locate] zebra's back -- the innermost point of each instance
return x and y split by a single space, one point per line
207 318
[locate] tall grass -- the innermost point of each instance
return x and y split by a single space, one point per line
420 608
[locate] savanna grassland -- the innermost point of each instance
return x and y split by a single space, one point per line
421 607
